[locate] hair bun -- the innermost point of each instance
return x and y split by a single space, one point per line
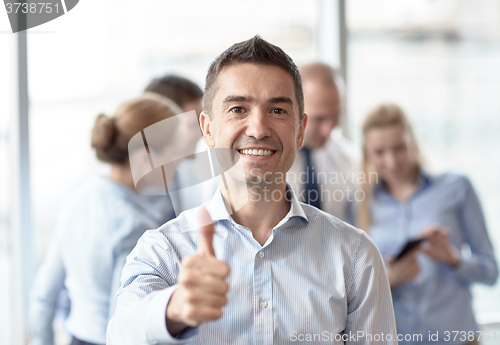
104 132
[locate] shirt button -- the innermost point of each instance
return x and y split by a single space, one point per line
263 304
261 255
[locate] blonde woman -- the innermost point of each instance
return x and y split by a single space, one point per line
101 222
431 285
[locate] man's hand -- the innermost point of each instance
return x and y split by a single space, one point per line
438 245
202 288
403 270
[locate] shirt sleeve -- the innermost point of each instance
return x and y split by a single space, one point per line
48 284
148 282
370 318
481 265
123 249
115 283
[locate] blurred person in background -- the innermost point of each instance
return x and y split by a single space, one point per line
189 97
323 172
101 222
431 285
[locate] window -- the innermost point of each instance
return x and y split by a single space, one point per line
7 260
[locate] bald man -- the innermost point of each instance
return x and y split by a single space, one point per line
324 173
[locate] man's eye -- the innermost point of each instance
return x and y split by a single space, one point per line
278 111
236 110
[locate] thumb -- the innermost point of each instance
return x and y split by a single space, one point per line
207 229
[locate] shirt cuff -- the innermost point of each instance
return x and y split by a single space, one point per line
467 269
156 323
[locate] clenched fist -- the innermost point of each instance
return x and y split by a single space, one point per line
202 286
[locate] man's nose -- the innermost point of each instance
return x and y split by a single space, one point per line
258 125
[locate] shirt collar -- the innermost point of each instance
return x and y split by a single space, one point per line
296 209
216 207
424 181
218 210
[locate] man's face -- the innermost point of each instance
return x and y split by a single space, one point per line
322 105
255 111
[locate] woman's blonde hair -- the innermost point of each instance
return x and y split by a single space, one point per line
383 115
111 135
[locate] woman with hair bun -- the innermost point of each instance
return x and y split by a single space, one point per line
431 283
101 222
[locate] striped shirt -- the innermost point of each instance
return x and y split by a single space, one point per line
315 280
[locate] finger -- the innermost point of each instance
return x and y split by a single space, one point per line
408 263
408 257
205 244
416 271
427 230
206 265
427 246
203 283
431 230
440 227
413 275
414 265
413 253
444 235
429 234
197 298
427 251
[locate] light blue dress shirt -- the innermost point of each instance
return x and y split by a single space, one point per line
315 280
96 229
439 298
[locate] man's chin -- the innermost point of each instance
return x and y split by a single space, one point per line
266 178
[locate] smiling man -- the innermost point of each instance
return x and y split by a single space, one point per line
274 271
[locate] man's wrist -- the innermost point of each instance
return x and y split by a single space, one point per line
175 328
172 321
155 323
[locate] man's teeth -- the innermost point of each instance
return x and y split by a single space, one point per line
255 152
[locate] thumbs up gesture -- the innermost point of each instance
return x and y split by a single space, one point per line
202 288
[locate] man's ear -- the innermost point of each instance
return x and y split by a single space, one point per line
300 135
205 124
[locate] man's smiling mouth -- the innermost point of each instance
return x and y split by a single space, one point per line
256 152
